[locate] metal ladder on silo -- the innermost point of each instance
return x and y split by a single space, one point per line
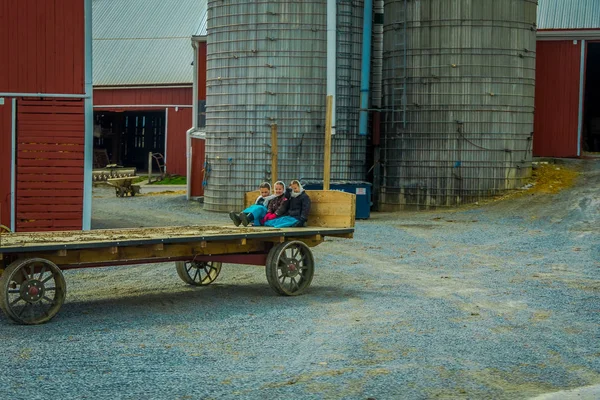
345 44
398 94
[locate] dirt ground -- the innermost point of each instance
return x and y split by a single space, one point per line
498 300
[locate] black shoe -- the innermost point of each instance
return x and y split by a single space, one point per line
234 217
244 218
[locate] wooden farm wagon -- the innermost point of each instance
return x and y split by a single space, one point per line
33 289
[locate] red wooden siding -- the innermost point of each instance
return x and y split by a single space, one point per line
202 71
146 96
5 160
198 156
42 46
177 126
50 147
556 98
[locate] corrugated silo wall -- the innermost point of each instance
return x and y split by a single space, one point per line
460 104
266 64
348 147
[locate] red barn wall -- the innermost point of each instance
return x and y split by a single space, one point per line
198 156
42 46
177 100
5 160
198 145
557 79
50 147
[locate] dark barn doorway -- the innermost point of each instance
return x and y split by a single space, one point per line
591 115
126 138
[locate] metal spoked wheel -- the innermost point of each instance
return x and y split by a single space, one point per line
198 273
32 291
290 268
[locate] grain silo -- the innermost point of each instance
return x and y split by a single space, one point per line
458 93
266 64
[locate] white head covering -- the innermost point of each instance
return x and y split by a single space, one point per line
294 194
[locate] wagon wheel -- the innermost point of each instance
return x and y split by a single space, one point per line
290 268
4 229
32 291
198 273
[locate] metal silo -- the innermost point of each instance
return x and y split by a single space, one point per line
266 64
348 147
459 81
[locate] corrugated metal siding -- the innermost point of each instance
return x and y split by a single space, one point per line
42 46
178 124
568 14
557 98
198 156
50 147
201 27
5 160
266 65
139 42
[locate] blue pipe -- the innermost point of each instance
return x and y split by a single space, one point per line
365 68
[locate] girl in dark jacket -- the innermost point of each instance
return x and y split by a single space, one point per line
298 208
276 207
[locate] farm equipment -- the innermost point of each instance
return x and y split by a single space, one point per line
33 289
124 186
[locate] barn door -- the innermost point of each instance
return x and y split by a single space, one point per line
50 151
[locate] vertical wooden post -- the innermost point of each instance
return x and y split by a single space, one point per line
327 150
150 168
274 154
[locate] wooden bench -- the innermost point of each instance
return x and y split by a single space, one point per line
329 208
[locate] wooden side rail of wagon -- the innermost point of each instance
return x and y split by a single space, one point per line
33 289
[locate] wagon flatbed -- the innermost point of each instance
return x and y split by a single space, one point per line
32 286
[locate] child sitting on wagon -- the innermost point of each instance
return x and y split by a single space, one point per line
276 207
296 209
256 212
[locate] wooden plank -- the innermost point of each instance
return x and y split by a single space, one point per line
147 252
45 200
49 208
34 225
30 162
327 148
51 155
77 171
71 118
47 192
50 178
53 187
41 138
38 216
31 146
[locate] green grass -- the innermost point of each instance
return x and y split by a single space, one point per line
172 180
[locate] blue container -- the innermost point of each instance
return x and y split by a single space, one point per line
362 190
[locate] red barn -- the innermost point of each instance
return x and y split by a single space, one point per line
143 79
45 114
197 133
567 94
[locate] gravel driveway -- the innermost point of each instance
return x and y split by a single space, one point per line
499 301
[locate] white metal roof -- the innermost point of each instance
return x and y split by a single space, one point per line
568 14
145 42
